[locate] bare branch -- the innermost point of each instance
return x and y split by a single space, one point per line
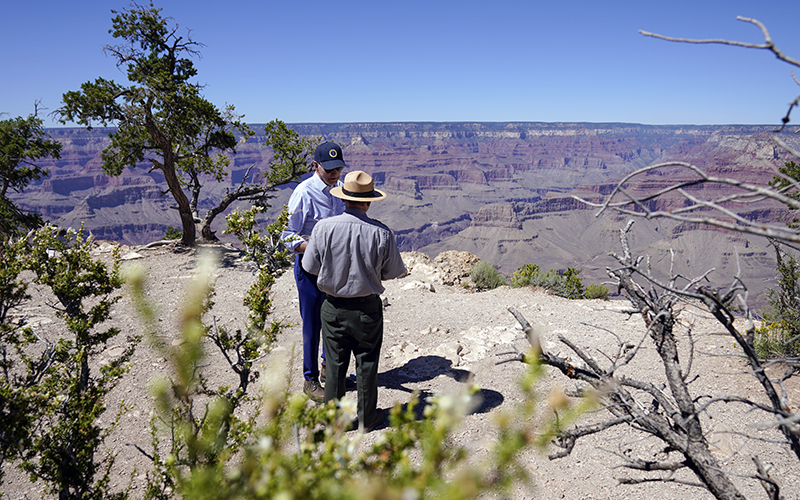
567 439
767 45
770 486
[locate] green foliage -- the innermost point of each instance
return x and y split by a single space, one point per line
206 440
290 152
269 255
18 402
262 248
523 275
14 221
573 283
564 284
161 116
172 233
58 399
596 291
779 334
290 155
785 182
23 141
485 276
200 421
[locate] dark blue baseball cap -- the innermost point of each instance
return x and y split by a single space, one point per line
329 155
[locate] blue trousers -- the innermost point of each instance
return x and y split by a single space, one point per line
310 303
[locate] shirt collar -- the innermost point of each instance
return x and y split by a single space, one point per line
357 212
320 184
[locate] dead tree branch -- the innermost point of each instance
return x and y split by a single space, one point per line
768 45
625 202
666 411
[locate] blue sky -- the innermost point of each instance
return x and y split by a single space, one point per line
392 61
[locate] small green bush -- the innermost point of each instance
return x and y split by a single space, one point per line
596 291
779 334
776 340
486 277
172 233
270 256
564 284
523 275
574 284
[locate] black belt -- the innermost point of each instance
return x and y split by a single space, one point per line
346 301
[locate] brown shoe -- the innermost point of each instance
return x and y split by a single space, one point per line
378 423
314 390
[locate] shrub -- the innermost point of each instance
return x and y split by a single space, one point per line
564 284
775 340
486 277
269 255
52 391
522 276
574 284
779 335
596 291
172 233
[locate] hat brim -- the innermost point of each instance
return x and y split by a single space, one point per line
376 195
331 164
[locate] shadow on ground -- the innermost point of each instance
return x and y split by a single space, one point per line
425 368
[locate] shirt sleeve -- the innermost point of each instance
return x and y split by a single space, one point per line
393 266
312 260
297 217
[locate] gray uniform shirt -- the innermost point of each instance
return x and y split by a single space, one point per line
351 254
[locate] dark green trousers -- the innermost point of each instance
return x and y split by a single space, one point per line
353 326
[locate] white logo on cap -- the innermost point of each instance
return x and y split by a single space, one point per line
332 153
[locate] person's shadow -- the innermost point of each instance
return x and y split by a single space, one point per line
427 368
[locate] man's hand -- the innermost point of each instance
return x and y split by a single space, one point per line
301 248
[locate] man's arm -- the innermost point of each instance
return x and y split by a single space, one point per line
297 217
312 260
393 266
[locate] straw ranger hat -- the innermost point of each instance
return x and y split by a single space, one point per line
358 186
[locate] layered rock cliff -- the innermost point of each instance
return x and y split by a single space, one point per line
503 191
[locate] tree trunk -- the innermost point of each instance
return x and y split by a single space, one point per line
189 237
205 229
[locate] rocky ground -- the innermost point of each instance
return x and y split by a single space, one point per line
439 334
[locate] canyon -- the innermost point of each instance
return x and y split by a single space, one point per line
507 192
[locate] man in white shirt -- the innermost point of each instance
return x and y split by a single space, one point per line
311 202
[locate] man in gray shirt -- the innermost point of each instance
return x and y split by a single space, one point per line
351 254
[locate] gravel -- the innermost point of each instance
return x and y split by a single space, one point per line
438 337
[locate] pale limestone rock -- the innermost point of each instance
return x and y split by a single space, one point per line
419 284
450 351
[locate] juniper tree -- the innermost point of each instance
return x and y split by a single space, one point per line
23 141
160 114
